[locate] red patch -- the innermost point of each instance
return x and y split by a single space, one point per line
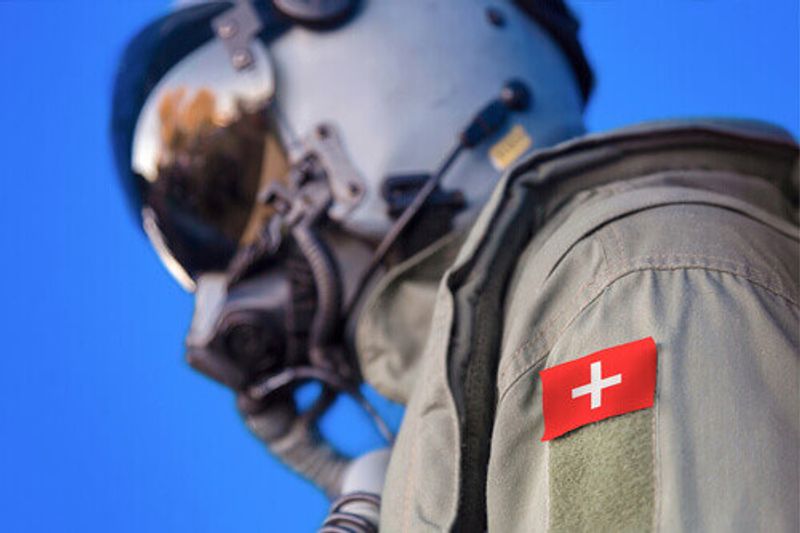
606 383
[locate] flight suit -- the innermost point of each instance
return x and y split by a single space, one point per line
683 232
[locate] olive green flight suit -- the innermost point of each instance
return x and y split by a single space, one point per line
683 232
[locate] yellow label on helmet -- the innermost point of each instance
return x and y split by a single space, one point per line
510 147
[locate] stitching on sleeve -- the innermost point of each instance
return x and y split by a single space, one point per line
542 353
505 366
772 281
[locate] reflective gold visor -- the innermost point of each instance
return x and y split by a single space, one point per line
205 144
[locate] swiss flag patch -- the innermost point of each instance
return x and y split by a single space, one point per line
607 383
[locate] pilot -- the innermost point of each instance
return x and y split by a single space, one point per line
588 331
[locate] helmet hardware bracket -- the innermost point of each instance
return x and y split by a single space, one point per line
323 179
346 184
237 28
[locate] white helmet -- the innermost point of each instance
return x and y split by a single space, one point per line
392 82
277 151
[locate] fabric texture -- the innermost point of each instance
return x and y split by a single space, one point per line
684 232
602 476
397 319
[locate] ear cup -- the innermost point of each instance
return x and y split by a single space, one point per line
316 12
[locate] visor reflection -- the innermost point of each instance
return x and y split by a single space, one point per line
205 144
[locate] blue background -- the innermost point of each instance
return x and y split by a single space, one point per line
102 426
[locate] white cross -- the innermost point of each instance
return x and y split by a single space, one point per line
596 385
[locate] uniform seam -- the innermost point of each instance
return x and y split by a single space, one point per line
601 241
753 273
506 367
620 243
772 280
652 268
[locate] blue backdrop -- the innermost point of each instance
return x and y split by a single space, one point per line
103 427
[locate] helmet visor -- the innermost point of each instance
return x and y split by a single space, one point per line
205 144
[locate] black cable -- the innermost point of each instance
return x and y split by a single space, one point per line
328 290
402 222
514 96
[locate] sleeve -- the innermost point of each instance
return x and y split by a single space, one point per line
718 451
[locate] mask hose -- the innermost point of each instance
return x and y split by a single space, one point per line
328 289
296 441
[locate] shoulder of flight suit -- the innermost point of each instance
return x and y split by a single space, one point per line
716 288
562 234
